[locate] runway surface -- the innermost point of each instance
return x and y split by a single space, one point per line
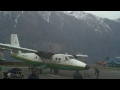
65 74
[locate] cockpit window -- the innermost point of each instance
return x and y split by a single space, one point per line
70 57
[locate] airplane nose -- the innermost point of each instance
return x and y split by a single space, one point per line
87 67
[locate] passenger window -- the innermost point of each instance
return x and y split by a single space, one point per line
66 58
59 58
56 59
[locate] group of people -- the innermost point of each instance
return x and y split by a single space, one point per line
34 74
77 75
8 75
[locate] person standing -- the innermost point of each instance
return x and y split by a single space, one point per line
97 72
34 75
77 75
6 75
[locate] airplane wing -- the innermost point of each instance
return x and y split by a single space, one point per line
10 47
80 55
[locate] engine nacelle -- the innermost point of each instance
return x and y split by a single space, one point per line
1 55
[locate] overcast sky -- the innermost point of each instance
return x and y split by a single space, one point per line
106 14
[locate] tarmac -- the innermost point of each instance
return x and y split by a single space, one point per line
105 73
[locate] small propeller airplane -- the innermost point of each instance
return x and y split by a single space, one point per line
42 59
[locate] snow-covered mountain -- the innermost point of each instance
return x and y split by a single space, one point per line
71 32
91 20
118 20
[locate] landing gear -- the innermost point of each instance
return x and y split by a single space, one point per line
41 68
56 71
40 71
51 69
77 75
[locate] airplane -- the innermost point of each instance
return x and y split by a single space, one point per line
43 59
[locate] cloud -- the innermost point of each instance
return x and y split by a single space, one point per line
106 14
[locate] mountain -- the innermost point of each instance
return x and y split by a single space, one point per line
117 20
61 32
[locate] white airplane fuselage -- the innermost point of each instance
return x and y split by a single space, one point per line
57 61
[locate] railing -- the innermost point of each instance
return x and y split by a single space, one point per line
13 63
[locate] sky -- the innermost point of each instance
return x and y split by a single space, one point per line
106 14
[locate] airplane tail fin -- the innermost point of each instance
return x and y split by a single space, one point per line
15 42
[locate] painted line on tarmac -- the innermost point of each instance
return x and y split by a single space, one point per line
52 75
115 71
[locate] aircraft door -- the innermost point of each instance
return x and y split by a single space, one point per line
66 60
52 60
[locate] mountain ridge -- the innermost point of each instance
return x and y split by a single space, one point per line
64 32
